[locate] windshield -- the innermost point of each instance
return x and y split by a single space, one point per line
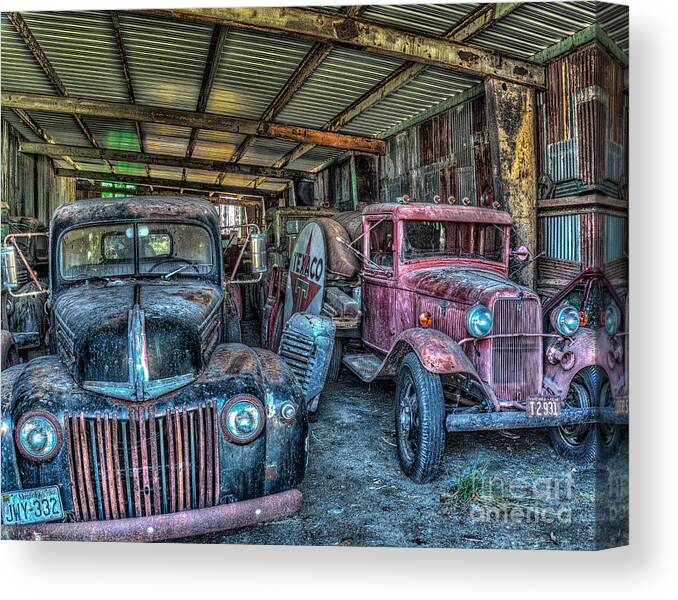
116 250
425 239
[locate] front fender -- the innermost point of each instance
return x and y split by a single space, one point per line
587 348
437 352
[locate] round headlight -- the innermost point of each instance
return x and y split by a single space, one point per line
38 436
242 419
567 321
479 321
611 319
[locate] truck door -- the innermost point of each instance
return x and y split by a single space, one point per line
379 330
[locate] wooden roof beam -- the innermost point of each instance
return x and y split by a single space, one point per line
209 75
340 29
475 22
187 118
160 182
165 160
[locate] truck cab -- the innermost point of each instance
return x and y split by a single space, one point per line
441 316
148 422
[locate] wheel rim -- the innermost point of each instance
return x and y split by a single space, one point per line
608 431
577 397
408 420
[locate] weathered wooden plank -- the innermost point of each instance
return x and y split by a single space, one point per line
187 118
60 150
161 182
511 118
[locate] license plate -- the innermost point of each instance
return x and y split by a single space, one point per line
540 407
32 506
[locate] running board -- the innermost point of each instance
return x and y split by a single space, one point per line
520 419
365 365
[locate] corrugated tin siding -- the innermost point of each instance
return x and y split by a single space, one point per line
582 121
29 184
534 26
20 71
82 49
433 19
252 70
166 59
446 155
340 80
427 90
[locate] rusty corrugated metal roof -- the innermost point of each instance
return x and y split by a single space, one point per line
167 59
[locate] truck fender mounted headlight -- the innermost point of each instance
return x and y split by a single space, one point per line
565 320
242 419
479 321
38 436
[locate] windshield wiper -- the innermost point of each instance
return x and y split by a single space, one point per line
177 270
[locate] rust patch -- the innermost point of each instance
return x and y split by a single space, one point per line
271 472
346 29
469 56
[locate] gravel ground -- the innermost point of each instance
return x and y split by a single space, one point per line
521 494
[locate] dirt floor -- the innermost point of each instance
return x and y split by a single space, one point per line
496 490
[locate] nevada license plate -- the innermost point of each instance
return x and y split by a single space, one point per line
32 506
543 407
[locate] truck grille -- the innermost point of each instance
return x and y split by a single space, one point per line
516 361
298 352
144 464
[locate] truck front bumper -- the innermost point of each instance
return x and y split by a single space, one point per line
164 527
521 420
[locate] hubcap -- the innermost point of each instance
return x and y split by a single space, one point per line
409 421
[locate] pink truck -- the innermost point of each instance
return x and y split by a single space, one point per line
466 345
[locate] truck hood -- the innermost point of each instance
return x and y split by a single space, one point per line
136 340
460 284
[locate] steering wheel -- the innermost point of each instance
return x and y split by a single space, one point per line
162 261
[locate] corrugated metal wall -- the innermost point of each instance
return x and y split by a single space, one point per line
29 184
582 121
446 155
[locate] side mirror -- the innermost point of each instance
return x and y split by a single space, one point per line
9 271
258 253
522 253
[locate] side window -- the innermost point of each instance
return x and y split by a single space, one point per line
381 243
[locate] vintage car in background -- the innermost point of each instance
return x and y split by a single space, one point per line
593 319
24 305
147 422
283 226
242 223
439 314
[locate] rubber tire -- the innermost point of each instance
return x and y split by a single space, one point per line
334 369
608 444
586 452
431 405
10 355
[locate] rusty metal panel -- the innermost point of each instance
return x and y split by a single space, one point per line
581 122
560 237
616 237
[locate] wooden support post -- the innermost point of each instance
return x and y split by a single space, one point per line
511 118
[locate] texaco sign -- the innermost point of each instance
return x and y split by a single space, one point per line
306 278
